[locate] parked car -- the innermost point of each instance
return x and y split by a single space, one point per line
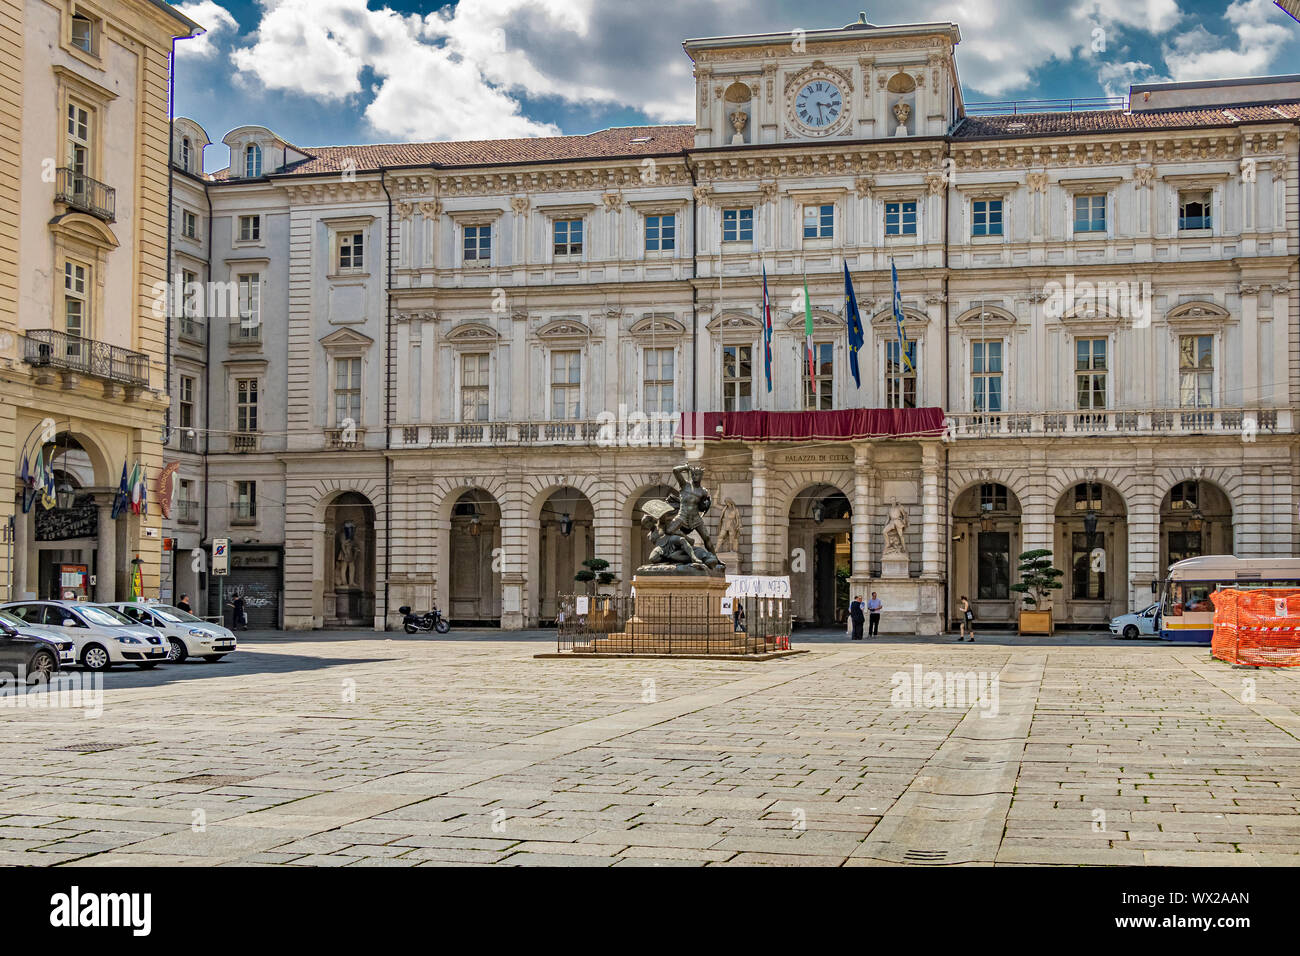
101 636
186 635
28 651
1136 624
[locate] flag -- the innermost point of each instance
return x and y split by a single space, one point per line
856 337
137 580
45 480
808 332
904 359
135 489
123 495
29 486
767 332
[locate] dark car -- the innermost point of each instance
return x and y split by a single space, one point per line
26 654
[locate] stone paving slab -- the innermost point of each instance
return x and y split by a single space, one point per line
363 750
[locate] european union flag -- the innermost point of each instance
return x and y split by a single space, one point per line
856 337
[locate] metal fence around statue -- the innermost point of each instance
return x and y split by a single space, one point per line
671 624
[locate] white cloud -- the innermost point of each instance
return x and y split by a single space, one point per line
1116 78
214 18
1261 34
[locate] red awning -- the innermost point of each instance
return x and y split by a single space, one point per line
848 424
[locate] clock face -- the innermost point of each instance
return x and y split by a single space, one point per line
818 104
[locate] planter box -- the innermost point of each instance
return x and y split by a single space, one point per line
1036 622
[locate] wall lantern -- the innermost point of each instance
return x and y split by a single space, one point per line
818 512
566 524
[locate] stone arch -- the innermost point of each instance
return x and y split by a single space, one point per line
1228 481
1095 586
1127 484
961 480
824 547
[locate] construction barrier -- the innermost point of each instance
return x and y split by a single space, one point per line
1259 627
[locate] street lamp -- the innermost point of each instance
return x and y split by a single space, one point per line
1090 526
818 512
65 496
986 519
566 524
475 523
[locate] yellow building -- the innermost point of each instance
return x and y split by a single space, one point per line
84 127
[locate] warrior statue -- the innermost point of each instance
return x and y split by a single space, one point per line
669 524
692 503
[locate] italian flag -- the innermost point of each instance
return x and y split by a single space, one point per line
808 332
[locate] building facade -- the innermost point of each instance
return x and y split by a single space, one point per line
452 371
83 341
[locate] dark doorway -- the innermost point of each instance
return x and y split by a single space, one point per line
824 583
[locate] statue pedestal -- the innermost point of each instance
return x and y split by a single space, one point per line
730 560
348 605
895 566
676 614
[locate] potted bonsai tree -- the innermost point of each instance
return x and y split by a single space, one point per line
603 611
1037 579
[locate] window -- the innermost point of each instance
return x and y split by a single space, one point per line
900 218
478 244
351 251
900 381
568 237
246 405
191 299
474 387
1088 584
252 161
986 375
1184 544
347 391
986 217
1194 209
1090 374
189 224
993 498
187 403
1184 496
250 306
994 582
566 385
1089 213
657 388
1196 371
819 221
1087 496
185 153
819 392
76 299
79 140
188 510
246 500
660 233
737 378
250 228
738 225
83 33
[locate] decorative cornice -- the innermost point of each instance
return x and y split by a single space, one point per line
333 191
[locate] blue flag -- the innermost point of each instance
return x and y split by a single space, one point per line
122 496
904 358
29 486
767 332
856 337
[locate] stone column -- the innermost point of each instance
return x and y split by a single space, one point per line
1279 346
863 456
1249 379
761 530
106 565
931 514
1143 526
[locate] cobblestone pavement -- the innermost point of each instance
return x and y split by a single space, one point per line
383 750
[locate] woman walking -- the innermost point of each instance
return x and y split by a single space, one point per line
967 621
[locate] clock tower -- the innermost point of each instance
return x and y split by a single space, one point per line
858 82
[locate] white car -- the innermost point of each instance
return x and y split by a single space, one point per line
1136 624
186 635
65 649
101 636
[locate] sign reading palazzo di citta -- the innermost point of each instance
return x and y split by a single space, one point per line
450 372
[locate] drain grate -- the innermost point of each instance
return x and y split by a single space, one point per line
88 748
215 779
926 856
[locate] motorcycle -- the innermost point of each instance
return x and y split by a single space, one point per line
429 621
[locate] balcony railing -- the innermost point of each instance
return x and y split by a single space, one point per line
652 433
243 512
1245 422
47 348
192 330
187 512
343 438
243 332
244 441
84 194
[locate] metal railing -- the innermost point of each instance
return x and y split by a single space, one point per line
192 330
671 624
657 432
242 332
187 512
47 348
1073 105
84 194
1122 422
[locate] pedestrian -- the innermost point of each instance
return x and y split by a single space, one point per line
240 621
967 621
873 607
184 604
738 617
856 615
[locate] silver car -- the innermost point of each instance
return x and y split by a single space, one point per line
101 636
1137 624
186 635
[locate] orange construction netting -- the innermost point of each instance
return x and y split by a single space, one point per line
1260 627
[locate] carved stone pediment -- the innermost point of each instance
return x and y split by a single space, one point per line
472 333
733 321
822 321
657 325
911 317
988 316
566 328
1199 311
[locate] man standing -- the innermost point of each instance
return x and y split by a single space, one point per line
874 606
856 615
184 604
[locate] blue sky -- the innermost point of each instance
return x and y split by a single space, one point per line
323 72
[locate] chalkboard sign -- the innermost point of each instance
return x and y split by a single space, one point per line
81 521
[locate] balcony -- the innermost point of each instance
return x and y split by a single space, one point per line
48 349
652 433
244 442
187 512
243 512
343 438
78 191
185 441
1243 422
192 330
245 332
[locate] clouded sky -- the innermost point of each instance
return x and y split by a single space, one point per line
330 72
